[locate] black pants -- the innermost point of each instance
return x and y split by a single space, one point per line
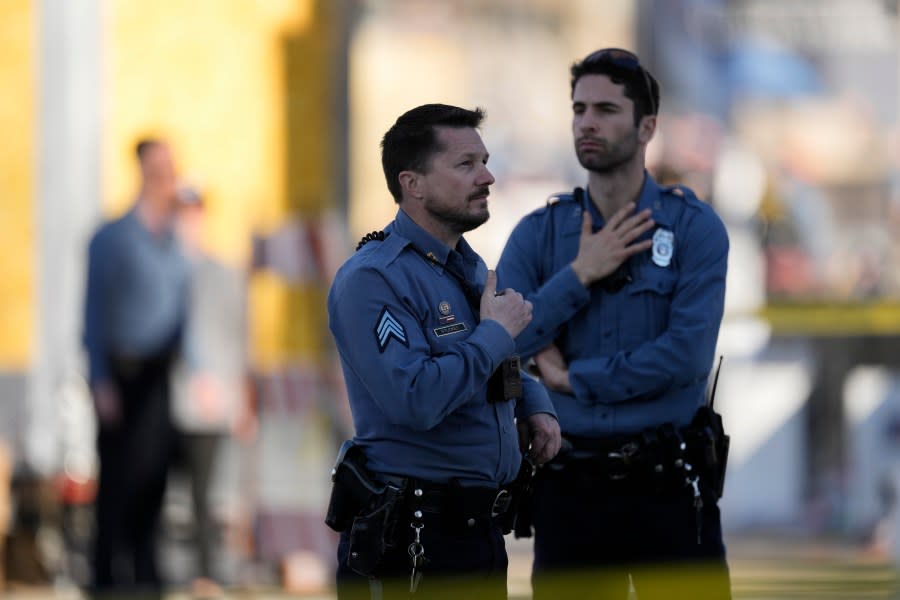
134 459
468 563
594 538
197 457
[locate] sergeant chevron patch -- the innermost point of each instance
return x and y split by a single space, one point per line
387 328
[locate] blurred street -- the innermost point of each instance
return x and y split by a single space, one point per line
763 568
783 115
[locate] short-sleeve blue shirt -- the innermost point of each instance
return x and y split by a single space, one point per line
640 356
416 361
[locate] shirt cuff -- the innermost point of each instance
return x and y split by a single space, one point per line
534 399
495 340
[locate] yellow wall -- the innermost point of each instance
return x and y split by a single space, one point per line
208 75
17 167
242 90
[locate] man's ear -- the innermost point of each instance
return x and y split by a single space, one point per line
646 129
411 184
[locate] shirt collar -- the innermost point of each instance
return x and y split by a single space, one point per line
426 243
134 221
650 197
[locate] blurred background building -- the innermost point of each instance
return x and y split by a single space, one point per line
782 113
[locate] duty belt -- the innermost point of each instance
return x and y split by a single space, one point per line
438 498
650 457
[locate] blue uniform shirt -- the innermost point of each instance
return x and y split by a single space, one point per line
136 296
416 361
638 357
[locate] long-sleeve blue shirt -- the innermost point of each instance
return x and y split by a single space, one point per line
136 295
416 361
638 357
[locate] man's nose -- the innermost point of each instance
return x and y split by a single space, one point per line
586 122
487 178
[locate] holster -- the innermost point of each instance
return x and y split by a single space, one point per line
365 508
352 488
372 533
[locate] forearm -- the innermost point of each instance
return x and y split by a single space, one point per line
679 357
555 302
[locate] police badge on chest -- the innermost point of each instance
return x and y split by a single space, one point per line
663 247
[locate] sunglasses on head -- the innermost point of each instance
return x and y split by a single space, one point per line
625 61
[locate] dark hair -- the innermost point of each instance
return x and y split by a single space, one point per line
143 145
622 67
411 142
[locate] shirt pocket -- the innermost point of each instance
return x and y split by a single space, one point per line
650 300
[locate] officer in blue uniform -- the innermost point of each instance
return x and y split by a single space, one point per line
627 280
428 353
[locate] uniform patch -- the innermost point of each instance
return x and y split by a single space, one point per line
388 328
449 329
663 247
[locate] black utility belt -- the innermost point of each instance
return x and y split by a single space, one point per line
356 490
660 457
378 511
441 498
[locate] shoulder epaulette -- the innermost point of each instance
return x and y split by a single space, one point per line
563 197
682 191
375 235
676 190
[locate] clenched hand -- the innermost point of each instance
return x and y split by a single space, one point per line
508 307
539 435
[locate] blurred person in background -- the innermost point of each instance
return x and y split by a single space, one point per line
424 492
212 396
135 310
627 279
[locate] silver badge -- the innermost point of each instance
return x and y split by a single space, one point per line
663 247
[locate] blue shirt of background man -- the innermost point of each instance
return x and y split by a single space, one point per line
417 359
638 357
137 287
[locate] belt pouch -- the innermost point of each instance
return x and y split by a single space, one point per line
466 502
707 428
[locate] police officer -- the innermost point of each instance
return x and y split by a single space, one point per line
427 348
627 279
